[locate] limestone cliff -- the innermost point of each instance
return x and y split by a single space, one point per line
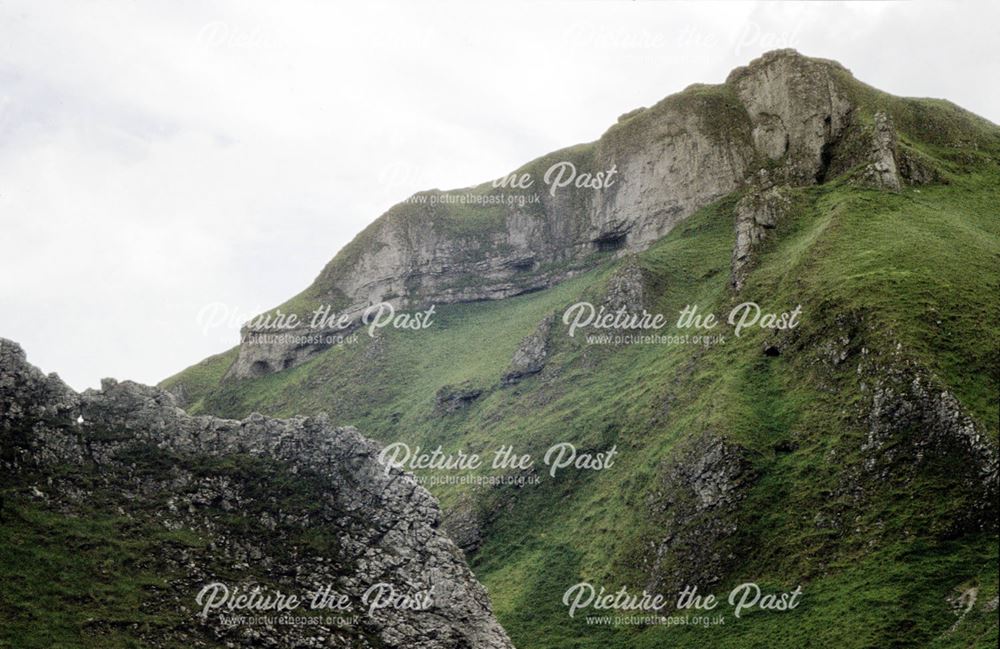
785 114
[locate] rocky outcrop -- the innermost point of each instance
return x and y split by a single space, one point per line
626 288
915 169
798 110
657 166
881 172
296 504
916 427
450 398
758 211
264 352
531 354
671 159
913 435
696 505
464 523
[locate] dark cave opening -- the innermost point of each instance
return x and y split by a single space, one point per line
610 242
825 158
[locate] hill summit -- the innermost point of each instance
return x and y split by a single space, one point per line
784 120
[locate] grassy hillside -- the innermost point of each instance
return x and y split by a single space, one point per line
884 280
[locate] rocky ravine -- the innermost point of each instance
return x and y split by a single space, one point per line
783 119
291 504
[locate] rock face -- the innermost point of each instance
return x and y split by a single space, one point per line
464 524
626 289
451 397
797 107
702 488
881 172
530 356
758 211
261 354
260 493
784 112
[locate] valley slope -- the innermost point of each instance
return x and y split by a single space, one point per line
854 455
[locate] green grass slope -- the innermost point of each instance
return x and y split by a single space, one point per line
879 558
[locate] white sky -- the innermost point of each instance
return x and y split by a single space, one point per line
157 158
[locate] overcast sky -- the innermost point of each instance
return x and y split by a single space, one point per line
158 158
